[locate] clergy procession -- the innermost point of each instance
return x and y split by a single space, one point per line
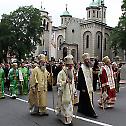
75 85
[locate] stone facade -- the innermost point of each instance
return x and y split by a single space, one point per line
76 36
46 35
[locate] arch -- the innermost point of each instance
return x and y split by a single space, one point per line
87 36
106 35
89 14
64 52
62 21
106 44
97 14
98 40
59 41
87 41
47 26
46 17
93 13
98 44
44 23
104 14
73 53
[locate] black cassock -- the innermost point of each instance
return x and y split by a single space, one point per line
84 105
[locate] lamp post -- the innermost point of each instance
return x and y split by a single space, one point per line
102 5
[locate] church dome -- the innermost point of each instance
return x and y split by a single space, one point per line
99 2
93 4
96 3
66 13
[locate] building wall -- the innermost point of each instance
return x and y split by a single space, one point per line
72 35
72 31
76 33
46 36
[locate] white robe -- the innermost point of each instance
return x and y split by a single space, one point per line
65 97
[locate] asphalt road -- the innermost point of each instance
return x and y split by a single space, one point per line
14 112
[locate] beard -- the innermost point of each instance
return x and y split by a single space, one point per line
70 74
42 68
88 64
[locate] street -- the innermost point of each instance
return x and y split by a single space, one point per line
14 112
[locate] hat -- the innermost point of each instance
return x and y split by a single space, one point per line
114 63
68 59
105 59
61 63
41 57
14 64
85 56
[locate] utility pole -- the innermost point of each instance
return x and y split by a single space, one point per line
102 48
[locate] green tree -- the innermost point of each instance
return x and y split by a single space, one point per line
5 40
25 25
114 39
118 34
122 26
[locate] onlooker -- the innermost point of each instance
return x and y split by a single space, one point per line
2 75
95 74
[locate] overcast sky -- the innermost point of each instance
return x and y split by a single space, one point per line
77 8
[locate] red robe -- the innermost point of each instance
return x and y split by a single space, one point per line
108 85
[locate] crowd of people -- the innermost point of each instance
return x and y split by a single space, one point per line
76 84
15 78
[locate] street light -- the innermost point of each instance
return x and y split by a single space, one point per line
102 5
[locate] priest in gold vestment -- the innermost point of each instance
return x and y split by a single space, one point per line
38 88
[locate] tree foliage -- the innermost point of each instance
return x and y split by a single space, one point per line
24 25
118 34
5 40
114 40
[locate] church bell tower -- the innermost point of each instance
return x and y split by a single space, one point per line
97 11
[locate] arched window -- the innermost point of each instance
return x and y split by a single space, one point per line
104 14
97 14
72 30
60 44
87 41
105 44
64 52
98 41
73 52
62 21
60 41
93 13
44 23
47 26
89 14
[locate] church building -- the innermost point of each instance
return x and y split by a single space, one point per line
76 36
